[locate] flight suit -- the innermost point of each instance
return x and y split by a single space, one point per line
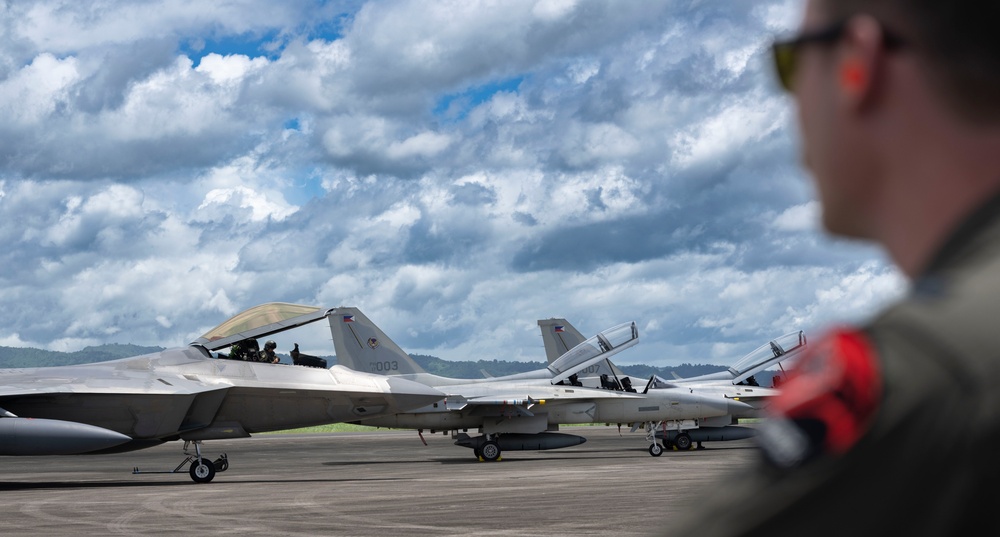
892 428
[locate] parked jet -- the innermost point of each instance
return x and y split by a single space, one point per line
521 411
737 382
189 394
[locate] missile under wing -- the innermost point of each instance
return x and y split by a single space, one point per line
191 394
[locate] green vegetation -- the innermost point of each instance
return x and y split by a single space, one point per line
499 368
332 428
12 357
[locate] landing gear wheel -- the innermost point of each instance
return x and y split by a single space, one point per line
490 451
477 453
202 471
683 442
655 450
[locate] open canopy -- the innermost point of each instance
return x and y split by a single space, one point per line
260 321
768 354
600 347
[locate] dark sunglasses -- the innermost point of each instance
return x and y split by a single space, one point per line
786 53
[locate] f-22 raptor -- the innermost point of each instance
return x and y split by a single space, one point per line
192 395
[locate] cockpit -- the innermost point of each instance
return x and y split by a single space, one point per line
775 352
593 350
239 334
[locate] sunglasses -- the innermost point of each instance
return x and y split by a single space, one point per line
785 53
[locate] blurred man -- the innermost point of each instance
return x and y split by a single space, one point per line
891 428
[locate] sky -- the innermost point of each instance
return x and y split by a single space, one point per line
456 169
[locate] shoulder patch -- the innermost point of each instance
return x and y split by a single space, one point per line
827 403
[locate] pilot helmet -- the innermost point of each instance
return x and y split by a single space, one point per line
270 345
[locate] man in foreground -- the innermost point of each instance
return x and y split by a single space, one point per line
891 428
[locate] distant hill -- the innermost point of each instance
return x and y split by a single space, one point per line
499 368
12 357
28 357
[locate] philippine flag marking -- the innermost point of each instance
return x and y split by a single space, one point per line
348 318
560 328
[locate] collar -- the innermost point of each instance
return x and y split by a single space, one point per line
963 236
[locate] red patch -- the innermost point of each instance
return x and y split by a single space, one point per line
837 383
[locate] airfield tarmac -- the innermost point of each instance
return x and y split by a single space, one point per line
381 483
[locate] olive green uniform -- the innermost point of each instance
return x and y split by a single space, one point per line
927 462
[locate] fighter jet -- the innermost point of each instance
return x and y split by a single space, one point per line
516 412
737 382
192 395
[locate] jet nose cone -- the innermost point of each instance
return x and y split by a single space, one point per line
409 395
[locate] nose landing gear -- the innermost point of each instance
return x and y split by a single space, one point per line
201 470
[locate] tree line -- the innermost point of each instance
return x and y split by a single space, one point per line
17 357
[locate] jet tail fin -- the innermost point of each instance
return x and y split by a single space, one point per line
558 336
362 346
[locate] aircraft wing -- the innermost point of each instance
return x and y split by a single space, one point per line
542 397
532 399
93 407
117 377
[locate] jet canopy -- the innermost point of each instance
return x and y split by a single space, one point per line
600 347
260 321
775 351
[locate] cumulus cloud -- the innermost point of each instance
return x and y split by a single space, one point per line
456 169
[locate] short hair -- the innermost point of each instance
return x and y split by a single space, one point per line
958 38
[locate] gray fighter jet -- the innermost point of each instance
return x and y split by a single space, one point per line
521 411
192 395
737 382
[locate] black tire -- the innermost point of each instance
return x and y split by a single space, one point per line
683 442
202 471
478 454
655 450
490 451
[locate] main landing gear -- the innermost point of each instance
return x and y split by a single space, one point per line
681 442
202 470
489 451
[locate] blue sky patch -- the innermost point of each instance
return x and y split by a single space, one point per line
267 43
252 46
455 106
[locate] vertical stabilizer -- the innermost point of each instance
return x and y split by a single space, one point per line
362 346
559 336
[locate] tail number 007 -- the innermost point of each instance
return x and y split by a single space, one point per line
378 367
